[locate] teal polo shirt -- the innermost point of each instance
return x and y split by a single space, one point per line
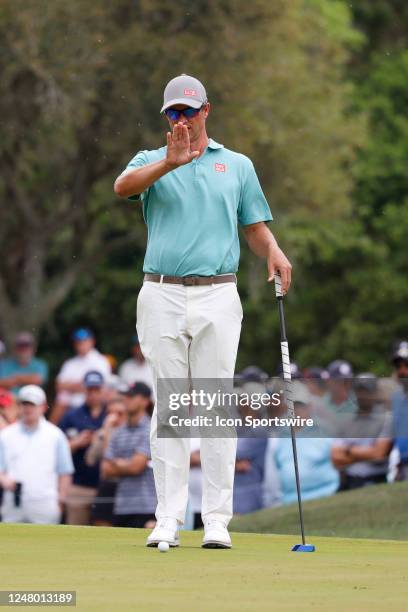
11 367
192 213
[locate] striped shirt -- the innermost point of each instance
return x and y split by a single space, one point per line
134 494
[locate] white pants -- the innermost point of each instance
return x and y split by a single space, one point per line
190 331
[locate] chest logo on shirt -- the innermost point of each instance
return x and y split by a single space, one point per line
220 167
190 92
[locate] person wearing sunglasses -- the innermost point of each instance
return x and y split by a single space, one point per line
195 192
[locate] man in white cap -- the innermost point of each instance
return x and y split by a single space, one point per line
194 193
35 464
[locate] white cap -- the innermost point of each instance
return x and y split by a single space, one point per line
32 394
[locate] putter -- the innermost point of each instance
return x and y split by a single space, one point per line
303 547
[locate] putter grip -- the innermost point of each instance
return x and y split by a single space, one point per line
278 285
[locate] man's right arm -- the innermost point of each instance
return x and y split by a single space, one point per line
134 182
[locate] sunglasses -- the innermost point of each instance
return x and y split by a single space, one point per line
174 114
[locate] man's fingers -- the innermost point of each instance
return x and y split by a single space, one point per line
284 278
176 133
194 154
169 139
285 273
271 274
289 278
185 135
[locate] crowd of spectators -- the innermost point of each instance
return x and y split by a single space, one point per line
84 458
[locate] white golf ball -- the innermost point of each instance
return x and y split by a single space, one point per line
163 546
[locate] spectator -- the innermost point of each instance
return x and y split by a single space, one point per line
251 374
70 388
136 369
250 460
315 380
102 509
127 459
271 493
399 405
8 408
35 464
195 485
115 388
339 399
365 441
23 368
295 372
80 425
318 477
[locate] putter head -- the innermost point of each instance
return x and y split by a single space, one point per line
304 548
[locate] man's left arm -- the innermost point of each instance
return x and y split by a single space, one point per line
64 482
28 379
131 467
377 452
64 468
262 242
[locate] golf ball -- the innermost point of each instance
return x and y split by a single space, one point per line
163 546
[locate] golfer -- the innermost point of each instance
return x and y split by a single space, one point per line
194 192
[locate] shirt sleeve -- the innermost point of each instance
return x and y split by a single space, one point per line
3 466
253 206
144 447
341 442
64 458
110 452
65 372
43 371
65 422
387 429
139 160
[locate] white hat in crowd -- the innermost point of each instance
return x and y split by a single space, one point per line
32 394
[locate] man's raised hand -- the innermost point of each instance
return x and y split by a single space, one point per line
178 147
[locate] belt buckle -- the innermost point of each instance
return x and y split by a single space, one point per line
189 281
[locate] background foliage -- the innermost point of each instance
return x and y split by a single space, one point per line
314 91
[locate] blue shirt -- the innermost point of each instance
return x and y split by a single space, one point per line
192 212
248 485
399 405
317 475
10 367
74 421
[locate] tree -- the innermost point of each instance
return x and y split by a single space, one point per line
80 94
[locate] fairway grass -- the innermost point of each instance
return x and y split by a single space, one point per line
111 569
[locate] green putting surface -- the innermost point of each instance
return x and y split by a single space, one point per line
111 569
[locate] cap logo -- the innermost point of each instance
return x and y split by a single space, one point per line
220 167
190 92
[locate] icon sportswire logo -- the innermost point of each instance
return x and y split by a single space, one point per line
220 167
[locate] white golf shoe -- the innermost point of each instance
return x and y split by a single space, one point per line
216 535
166 530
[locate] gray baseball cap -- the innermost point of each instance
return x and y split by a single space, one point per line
184 89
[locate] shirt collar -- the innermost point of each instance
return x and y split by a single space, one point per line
30 430
214 145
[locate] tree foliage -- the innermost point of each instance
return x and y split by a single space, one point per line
80 93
